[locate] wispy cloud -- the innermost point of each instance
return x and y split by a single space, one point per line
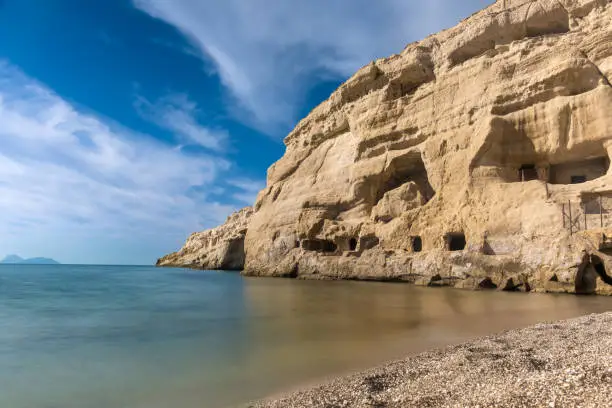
187 48
268 51
247 189
179 114
78 180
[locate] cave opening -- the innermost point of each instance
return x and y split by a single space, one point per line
368 242
586 278
455 241
487 283
329 246
528 172
578 179
578 172
352 244
590 268
311 245
404 169
319 245
417 244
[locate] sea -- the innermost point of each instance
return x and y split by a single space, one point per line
143 337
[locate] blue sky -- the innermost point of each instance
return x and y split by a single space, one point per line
125 125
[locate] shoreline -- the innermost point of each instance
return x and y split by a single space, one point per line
557 364
552 287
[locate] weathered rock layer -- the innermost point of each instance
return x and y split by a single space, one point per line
218 248
476 158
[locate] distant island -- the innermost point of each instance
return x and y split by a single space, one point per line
15 259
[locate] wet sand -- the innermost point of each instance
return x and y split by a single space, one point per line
561 364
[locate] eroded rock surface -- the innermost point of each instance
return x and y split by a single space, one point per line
218 248
455 162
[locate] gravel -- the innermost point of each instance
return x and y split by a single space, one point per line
561 364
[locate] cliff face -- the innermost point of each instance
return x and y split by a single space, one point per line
476 158
218 248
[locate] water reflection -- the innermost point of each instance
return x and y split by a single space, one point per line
303 330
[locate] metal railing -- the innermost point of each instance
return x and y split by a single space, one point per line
592 212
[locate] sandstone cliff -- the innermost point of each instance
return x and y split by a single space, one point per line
218 248
476 158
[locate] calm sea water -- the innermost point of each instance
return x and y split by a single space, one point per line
136 337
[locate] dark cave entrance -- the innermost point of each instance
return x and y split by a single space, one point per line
319 245
455 241
578 179
586 278
417 244
591 267
352 244
487 283
528 172
329 246
600 268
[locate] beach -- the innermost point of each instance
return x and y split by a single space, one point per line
561 364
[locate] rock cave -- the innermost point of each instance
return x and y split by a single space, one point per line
455 241
319 245
576 172
591 267
404 169
368 242
417 244
528 172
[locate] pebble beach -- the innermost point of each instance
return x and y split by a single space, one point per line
559 364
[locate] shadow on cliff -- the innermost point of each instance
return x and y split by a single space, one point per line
590 268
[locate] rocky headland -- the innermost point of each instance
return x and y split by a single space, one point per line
476 158
219 248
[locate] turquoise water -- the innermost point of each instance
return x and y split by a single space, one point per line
101 337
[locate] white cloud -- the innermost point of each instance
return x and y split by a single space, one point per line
267 51
247 189
87 190
179 114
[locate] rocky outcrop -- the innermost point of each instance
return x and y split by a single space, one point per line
218 248
476 158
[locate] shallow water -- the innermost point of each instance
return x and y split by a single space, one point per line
135 337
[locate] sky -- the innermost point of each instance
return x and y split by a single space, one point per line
126 125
